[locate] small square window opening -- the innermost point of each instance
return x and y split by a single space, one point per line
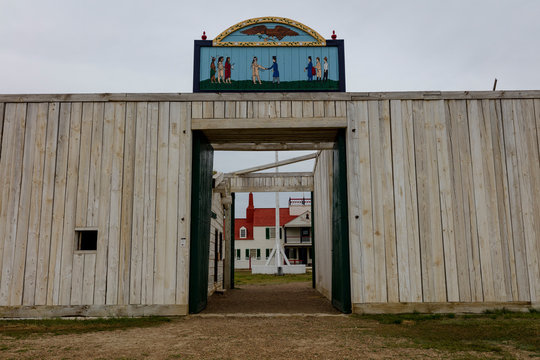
86 240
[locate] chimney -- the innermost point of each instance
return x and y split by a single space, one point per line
250 209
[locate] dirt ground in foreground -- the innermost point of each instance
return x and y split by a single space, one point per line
195 337
226 330
296 297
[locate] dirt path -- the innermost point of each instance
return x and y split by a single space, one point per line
296 297
220 338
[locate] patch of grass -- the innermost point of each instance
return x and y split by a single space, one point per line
248 85
247 278
493 331
25 328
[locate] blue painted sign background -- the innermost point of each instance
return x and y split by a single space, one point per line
291 61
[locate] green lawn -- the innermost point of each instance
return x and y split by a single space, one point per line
494 332
244 277
247 85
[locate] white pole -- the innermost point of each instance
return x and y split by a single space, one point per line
278 244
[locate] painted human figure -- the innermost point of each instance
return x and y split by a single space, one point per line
220 75
318 68
275 70
309 69
255 70
213 70
228 68
325 68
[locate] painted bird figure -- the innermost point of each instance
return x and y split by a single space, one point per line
278 32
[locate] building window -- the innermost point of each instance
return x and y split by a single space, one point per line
247 254
238 255
86 240
271 233
243 233
258 254
267 253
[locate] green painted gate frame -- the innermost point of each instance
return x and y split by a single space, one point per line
341 277
201 209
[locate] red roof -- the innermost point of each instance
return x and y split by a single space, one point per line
261 217
267 217
238 223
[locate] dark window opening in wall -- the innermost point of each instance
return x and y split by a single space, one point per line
86 240
220 246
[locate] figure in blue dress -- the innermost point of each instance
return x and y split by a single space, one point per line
275 71
309 69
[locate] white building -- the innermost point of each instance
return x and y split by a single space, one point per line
255 235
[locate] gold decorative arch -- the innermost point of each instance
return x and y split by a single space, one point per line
320 41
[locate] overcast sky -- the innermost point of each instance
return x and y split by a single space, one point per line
75 46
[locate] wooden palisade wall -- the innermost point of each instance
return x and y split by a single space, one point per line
444 197
118 167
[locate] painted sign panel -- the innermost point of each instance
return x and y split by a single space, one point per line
269 54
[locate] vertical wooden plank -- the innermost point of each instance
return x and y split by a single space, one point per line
20 165
208 109
35 206
495 244
307 108
388 203
398 159
502 198
357 111
482 212
161 204
184 206
88 279
514 191
329 108
150 179
126 226
47 205
169 278
241 109
219 109
6 164
366 202
406 208
431 248
447 205
341 108
377 162
138 204
84 165
68 238
529 170
264 109
115 215
318 108
285 109
57 230
197 110
2 106
100 286
94 177
77 278
456 115
230 109
296 109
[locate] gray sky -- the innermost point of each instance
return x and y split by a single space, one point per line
76 46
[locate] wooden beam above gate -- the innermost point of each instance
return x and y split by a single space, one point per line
267 182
